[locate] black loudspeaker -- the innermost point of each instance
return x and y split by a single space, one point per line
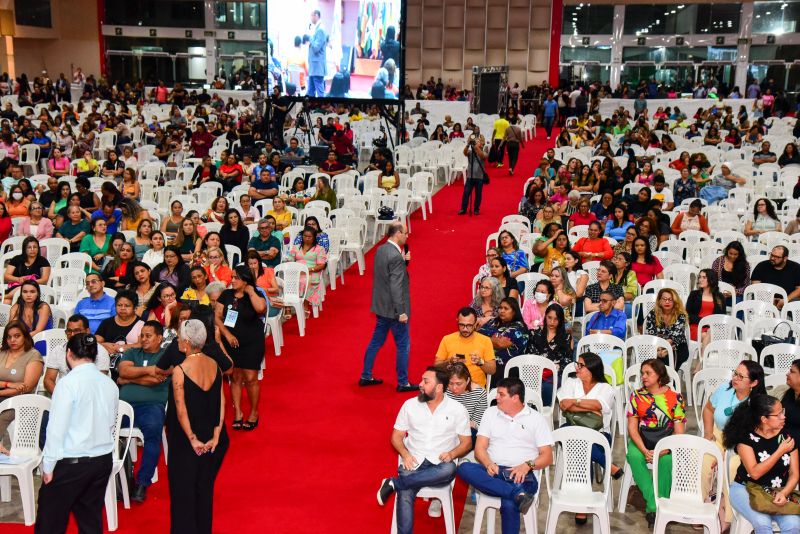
489 93
318 154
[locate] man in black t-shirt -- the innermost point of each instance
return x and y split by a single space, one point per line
780 271
326 132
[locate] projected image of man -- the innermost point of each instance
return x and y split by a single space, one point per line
317 56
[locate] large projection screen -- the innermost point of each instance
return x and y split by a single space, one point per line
338 49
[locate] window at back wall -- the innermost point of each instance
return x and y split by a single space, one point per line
681 19
588 19
33 13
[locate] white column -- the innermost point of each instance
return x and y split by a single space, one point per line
743 48
211 44
616 45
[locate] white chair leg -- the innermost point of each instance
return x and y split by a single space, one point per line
530 519
301 317
111 505
491 514
361 261
479 513
5 488
627 481
165 445
603 523
25 480
332 266
123 482
447 514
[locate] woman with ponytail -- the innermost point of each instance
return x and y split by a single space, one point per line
769 459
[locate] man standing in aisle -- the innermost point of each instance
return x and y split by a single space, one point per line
317 56
473 180
498 134
550 114
430 433
76 460
391 304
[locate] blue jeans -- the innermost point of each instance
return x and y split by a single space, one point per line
408 483
149 418
497 486
401 340
316 86
548 125
471 184
762 523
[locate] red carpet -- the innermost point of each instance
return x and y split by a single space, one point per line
322 446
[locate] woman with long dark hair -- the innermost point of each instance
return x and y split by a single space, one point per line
554 342
618 223
29 265
769 460
626 279
239 319
534 309
172 270
733 268
667 320
498 268
764 219
747 381
508 333
31 311
705 300
646 266
234 232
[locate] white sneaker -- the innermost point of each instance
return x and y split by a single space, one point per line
435 508
548 137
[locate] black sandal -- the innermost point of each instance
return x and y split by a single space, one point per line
237 424
250 425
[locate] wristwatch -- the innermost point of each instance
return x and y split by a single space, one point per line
531 464
578 401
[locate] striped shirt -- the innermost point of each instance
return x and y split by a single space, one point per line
474 401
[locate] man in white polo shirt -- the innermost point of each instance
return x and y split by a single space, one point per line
513 441
431 431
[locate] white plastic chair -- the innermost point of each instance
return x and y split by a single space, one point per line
123 409
686 503
29 410
488 504
74 260
704 383
752 311
530 368
598 343
727 354
445 495
54 248
572 484
645 347
294 275
783 354
355 239
764 293
685 275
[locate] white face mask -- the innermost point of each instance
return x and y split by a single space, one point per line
540 297
695 171
17 196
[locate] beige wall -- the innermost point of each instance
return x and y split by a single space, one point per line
445 38
72 42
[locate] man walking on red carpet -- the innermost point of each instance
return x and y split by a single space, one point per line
391 303
430 433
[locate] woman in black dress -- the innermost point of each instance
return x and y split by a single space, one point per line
239 319
195 433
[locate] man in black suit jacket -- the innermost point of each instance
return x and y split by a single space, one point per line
392 306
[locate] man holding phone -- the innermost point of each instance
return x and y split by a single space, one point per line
468 347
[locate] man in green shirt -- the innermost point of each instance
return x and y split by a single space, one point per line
144 389
622 127
265 243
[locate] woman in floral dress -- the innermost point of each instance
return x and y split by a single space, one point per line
315 258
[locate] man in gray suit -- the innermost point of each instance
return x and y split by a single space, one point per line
392 305
317 60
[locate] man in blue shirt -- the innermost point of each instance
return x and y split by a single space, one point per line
77 459
265 186
110 214
550 115
97 306
267 245
262 164
146 390
608 320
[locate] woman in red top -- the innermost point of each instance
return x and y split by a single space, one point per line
681 163
231 173
201 141
583 216
595 247
644 264
5 223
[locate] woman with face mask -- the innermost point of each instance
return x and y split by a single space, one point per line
534 309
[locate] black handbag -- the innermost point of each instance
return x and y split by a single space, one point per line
651 436
385 213
772 339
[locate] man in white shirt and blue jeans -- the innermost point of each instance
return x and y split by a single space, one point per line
430 433
77 459
513 442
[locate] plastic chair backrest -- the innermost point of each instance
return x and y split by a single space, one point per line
530 368
688 453
28 412
291 273
573 470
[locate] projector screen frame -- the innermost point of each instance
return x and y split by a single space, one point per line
361 101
